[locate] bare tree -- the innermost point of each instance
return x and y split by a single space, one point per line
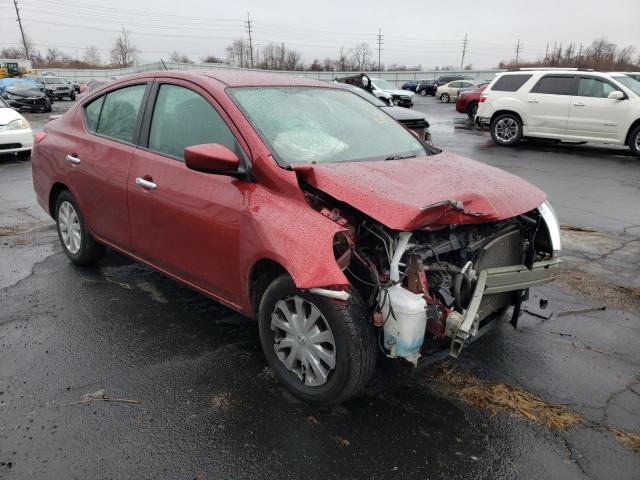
177 57
124 53
211 59
53 56
360 54
92 55
238 53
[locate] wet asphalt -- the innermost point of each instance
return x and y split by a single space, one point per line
194 399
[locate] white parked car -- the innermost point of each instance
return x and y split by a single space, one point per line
566 105
15 132
449 91
389 93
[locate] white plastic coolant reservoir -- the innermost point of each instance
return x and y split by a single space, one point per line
404 326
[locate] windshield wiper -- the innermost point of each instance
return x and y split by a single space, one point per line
399 157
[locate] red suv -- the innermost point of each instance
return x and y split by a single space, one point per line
299 204
467 102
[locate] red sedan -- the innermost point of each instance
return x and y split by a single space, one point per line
467 102
299 204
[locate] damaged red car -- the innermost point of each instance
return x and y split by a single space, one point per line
302 205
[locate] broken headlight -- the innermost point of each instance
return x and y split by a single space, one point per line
553 225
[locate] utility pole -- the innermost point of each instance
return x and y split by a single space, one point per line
249 24
518 52
464 51
380 41
24 39
580 55
546 53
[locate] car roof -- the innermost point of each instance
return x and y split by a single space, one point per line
236 78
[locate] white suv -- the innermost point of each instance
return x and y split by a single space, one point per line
567 105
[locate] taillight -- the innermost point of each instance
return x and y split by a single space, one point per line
483 99
39 137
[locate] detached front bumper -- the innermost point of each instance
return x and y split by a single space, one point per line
13 141
499 280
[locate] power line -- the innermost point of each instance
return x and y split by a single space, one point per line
249 23
380 40
24 40
464 51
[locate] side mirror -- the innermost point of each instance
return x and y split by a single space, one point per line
616 95
212 158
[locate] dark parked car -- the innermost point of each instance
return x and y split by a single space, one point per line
25 95
426 87
468 101
74 84
450 78
412 119
301 205
410 85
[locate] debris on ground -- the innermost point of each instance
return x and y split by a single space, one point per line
573 228
631 440
496 397
343 442
580 310
313 421
100 396
220 401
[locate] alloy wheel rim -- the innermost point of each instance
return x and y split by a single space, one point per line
445 98
69 225
303 340
506 129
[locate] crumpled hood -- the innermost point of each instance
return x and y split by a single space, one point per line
418 192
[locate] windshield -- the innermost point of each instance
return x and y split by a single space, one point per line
383 84
366 95
630 83
54 80
323 125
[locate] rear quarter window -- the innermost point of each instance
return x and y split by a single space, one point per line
510 83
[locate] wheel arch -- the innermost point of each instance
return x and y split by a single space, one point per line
262 273
631 129
56 189
503 111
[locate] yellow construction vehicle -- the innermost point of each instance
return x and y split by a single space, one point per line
10 67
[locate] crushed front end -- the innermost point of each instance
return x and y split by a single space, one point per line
434 288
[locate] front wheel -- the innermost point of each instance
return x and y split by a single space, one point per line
423 92
634 141
445 98
74 236
72 97
506 129
322 350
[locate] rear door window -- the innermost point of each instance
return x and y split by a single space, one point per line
182 118
554 85
92 112
115 114
510 83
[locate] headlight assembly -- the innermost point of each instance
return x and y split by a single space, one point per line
18 124
553 225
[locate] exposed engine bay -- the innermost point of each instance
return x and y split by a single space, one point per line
433 288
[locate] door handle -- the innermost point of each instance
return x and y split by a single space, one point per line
146 184
579 104
533 100
72 159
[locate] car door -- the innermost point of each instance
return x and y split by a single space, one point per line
548 105
593 115
186 222
452 88
99 159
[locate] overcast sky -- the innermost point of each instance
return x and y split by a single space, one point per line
415 32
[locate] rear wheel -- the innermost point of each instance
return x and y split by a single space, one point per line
423 92
445 98
472 110
506 129
634 141
74 236
322 350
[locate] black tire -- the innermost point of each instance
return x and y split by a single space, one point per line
72 97
472 110
48 108
509 121
90 251
445 98
355 345
423 92
634 141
